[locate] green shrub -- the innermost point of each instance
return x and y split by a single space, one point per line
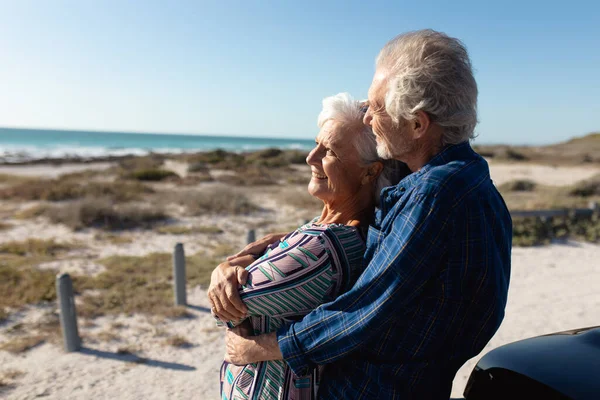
102 214
520 185
587 188
151 175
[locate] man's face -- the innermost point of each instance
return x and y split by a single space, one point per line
393 140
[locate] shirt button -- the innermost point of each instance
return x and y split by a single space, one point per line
402 189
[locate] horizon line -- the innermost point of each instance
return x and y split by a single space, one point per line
134 132
251 136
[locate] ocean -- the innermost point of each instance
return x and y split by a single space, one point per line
18 145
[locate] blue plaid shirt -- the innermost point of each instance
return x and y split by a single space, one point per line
431 297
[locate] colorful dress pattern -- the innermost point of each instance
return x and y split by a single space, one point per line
309 267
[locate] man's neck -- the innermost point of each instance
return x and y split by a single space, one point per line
422 154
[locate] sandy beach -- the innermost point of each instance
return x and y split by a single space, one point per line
143 356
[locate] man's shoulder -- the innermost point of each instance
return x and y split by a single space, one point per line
455 179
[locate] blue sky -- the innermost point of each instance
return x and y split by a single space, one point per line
261 68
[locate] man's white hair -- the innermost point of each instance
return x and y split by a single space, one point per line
431 72
344 109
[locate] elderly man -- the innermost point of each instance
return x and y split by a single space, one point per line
435 287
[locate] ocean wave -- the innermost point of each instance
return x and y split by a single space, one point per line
25 153
15 154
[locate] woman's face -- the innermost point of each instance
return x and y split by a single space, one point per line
337 170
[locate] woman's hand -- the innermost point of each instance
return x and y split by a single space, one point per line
258 247
241 349
223 290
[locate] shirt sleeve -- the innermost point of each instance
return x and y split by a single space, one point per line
292 279
405 260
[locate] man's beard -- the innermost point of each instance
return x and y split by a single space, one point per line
383 147
383 151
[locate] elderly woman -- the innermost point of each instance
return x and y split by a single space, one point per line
317 262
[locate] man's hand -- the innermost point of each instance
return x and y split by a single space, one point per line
258 247
241 349
223 291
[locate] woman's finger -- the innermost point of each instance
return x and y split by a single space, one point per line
221 312
230 300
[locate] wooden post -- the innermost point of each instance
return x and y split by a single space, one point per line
251 236
179 275
68 314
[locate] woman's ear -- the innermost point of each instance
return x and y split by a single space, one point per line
373 172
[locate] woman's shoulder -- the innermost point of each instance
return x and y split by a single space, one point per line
338 236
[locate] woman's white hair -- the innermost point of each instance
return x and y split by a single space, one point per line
431 72
344 109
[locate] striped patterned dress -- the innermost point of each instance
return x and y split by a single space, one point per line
309 267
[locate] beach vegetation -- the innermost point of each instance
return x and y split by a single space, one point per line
143 284
251 176
188 230
178 341
8 378
37 247
21 344
32 212
213 200
299 198
103 214
224 250
68 189
586 188
519 185
152 175
537 231
21 283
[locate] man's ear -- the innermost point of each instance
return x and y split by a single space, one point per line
420 124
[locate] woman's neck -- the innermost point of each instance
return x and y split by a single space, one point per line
352 212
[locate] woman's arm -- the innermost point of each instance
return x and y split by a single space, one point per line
291 280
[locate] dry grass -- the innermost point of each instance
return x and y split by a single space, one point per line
63 189
519 185
4 226
214 200
224 250
151 175
577 151
299 198
587 188
32 212
21 283
188 230
114 238
103 214
37 247
178 341
9 179
22 344
8 378
252 176
139 285
536 231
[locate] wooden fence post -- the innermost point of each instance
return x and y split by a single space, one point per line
68 314
251 236
179 275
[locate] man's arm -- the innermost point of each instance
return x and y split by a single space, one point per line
404 262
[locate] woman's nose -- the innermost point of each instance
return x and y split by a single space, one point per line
310 158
